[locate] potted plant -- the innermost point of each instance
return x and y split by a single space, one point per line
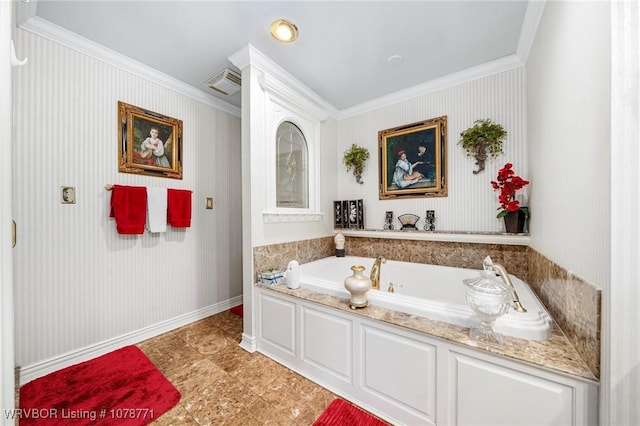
507 184
355 159
484 138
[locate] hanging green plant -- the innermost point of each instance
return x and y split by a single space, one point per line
482 140
355 160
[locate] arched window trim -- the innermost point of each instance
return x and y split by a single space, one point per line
310 132
294 169
283 104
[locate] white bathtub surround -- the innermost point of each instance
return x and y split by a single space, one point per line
413 370
432 291
555 353
572 302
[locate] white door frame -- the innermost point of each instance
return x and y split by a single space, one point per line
7 355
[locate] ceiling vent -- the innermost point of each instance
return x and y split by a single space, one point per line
226 82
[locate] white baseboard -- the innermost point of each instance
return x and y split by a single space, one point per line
41 368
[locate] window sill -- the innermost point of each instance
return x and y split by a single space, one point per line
290 216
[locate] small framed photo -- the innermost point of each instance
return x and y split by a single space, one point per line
67 194
150 143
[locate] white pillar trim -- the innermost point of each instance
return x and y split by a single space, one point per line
620 366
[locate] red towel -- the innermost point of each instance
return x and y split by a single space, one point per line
129 208
179 208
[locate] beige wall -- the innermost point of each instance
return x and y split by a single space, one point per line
471 204
568 133
77 282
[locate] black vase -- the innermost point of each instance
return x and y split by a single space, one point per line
514 221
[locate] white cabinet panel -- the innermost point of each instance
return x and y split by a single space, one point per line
327 343
410 378
484 393
277 323
399 369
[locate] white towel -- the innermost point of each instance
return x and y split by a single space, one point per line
156 209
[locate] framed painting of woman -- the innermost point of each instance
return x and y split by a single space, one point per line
150 143
413 160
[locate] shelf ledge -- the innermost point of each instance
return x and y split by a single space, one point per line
445 236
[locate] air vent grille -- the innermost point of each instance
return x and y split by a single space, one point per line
226 82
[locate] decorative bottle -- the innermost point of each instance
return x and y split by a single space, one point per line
358 285
339 241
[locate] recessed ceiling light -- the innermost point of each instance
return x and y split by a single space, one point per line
284 31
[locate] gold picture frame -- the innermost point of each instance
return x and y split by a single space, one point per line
413 160
150 143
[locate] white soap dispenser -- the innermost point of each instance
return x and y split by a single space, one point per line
293 275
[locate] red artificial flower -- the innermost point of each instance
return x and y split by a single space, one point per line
507 183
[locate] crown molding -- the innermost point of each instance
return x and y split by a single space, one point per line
532 18
285 96
531 21
250 55
49 31
484 70
285 82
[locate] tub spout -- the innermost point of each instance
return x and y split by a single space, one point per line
375 272
500 270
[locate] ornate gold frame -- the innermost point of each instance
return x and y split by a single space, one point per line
135 125
432 166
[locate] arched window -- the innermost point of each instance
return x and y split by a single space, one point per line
292 167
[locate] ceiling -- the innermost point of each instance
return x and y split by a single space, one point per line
342 53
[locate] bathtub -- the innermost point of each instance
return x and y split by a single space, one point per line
431 291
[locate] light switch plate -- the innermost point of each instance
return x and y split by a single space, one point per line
209 203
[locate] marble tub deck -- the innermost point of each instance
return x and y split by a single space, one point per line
222 384
556 354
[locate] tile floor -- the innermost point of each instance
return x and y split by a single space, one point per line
222 384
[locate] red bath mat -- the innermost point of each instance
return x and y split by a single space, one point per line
237 310
340 413
122 387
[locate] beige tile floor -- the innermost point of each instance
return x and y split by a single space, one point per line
222 384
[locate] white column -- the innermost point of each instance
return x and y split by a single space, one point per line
620 385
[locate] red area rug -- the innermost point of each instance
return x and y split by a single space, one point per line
237 310
122 387
340 413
